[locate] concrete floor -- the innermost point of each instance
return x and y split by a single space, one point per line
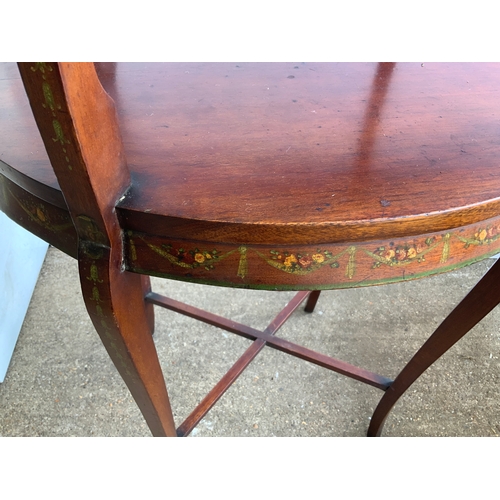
62 383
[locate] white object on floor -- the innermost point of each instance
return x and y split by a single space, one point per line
21 259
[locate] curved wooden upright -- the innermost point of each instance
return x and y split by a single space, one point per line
276 176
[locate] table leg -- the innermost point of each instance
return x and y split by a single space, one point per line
472 309
311 301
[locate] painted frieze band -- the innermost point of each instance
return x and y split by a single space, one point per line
363 263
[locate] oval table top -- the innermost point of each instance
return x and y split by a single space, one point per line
301 175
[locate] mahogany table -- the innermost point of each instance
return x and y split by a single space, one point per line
282 176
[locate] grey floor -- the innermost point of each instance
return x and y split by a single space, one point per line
61 382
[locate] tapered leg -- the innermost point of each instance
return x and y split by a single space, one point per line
115 302
311 301
473 308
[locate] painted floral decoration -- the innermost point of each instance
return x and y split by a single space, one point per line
301 263
402 254
483 236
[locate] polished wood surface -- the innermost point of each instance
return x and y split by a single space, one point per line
328 136
297 159
276 176
336 152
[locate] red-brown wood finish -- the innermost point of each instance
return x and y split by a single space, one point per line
374 153
77 122
300 176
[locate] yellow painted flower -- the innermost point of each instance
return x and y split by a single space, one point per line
318 258
482 235
411 253
198 257
390 254
291 259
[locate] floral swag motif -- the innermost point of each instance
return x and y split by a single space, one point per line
303 263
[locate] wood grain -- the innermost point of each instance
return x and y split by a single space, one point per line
301 153
224 155
300 176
